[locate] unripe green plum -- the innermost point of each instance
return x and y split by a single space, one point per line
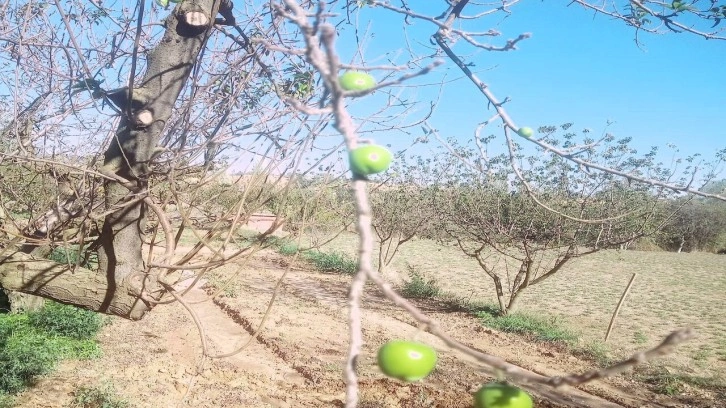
525 131
498 395
406 360
356 81
369 159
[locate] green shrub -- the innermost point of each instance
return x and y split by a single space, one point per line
25 356
418 287
662 381
10 323
103 396
286 247
67 321
28 353
29 349
719 244
6 401
595 351
336 262
544 329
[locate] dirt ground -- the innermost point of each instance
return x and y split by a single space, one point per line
671 291
297 360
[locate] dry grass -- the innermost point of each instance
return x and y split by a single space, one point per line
671 291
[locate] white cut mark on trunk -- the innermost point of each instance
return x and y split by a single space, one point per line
144 118
196 19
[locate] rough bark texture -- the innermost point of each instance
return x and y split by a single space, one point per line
82 287
120 283
22 302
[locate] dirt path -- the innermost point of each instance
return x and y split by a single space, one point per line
298 358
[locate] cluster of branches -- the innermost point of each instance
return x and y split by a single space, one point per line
119 122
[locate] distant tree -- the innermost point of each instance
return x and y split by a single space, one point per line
700 225
523 232
715 187
316 208
401 211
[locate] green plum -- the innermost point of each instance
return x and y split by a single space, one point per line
525 131
406 360
499 395
356 81
369 159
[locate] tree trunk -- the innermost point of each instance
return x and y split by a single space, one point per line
14 302
600 234
503 306
381 262
4 301
682 244
513 301
22 302
79 286
150 106
122 283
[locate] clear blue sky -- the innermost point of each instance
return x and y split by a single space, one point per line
576 68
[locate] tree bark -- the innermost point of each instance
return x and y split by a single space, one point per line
21 302
79 286
503 306
513 301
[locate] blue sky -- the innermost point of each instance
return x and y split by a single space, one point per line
576 68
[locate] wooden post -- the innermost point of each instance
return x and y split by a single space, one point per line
617 309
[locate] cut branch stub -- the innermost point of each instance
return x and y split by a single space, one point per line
193 19
144 118
196 19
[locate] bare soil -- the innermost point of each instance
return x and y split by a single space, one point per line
297 359
671 291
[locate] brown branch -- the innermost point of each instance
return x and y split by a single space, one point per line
665 347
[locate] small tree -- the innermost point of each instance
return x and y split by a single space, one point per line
402 209
524 232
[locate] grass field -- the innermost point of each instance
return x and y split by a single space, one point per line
671 291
